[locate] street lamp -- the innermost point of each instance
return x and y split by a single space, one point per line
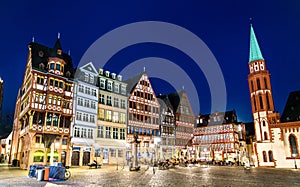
294 155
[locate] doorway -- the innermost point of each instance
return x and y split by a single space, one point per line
75 158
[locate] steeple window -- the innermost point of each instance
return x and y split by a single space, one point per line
258 84
265 135
254 102
261 102
252 87
268 101
266 84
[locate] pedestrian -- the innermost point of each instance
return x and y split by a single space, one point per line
153 170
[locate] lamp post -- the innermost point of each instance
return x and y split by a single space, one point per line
294 155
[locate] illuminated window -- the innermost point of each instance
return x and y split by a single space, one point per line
57 67
293 145
101 114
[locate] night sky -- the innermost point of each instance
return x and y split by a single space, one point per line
222 25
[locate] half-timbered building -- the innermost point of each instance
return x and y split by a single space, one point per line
167 128
143 117
219 137
44 107
184 119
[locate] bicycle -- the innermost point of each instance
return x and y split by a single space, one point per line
67 174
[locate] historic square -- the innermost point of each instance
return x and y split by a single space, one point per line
150 94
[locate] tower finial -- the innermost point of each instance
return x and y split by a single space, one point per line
144 69
58 35
32 39
183 87
250 19
69 52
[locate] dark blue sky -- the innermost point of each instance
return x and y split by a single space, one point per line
222 25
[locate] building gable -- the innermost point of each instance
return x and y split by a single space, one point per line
89 68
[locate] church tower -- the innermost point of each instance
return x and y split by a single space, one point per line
260 92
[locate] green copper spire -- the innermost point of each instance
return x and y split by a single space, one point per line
255 53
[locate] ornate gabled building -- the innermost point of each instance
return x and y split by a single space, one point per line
219 137
143 116
167 127
44 108
85 112
276 143
184 118
110 141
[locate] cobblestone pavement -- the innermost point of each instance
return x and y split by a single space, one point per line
190 176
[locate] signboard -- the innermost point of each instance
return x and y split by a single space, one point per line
87 149
76 149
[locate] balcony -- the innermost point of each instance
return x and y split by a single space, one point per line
50 129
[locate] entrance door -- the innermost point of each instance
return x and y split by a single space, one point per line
86 158
105 156
63 158
75 158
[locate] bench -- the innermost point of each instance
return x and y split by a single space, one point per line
94 165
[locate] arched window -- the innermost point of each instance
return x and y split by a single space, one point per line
268 101
258 84
265 156
38 156
261 102
254 102
266 84
293 145
266 135
271 156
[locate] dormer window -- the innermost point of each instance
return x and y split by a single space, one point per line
102 83
52 66
68 74
109 85
41 66
57 67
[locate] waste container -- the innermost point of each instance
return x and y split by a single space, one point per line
46 173
40 174
32 171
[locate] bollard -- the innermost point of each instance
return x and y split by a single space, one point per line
46 174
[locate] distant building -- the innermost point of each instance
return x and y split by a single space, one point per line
219 137
111 127
44 108
85 112
167 128
143 117
184 120
5 145
276 143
